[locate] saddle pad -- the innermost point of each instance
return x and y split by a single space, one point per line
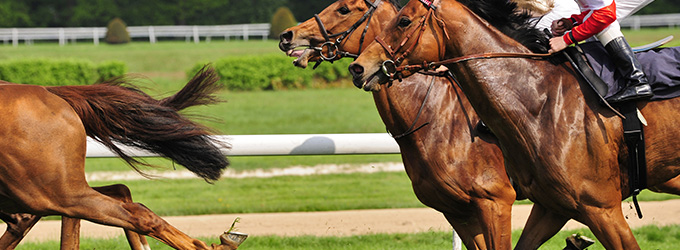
662 66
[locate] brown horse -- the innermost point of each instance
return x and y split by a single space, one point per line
42 151
454 168
564 149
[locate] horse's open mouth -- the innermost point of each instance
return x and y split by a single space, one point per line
372 83
302 56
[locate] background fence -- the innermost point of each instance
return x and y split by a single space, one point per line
299 144
152 33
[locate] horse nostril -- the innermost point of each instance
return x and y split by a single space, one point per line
356 69
286 36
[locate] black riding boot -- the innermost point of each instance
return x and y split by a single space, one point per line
627 64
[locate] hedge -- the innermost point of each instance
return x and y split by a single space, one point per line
273 72
59 72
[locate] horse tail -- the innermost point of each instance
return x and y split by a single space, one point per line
116 112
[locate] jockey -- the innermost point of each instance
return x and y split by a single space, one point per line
598 18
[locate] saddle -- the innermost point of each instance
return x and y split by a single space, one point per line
583 57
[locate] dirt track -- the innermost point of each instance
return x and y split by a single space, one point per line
344 223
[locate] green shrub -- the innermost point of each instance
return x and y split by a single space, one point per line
281 20
110 69
116 32
272 72
58 72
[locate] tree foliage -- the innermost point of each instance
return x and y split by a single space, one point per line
281 20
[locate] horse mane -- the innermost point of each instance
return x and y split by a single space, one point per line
511 21
395 3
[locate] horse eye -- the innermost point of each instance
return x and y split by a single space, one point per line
344 10
403 22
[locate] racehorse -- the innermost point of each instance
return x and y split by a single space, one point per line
454 168
42 151
563 148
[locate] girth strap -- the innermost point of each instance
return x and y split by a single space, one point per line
635 140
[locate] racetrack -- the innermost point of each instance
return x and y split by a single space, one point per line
344 223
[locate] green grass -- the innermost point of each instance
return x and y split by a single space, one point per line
278 194
644 36
648 237
240 163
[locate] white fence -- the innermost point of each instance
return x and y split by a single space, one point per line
298 144
661 20
152 33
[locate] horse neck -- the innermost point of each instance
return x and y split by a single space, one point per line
507 93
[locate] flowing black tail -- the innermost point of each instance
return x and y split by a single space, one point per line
116 112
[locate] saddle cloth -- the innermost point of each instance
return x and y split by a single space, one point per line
661 65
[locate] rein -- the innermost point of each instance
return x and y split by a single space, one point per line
329 50
392 68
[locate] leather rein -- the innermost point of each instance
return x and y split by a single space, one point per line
393 69
329 50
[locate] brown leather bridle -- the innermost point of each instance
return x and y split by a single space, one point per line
329 50
393 69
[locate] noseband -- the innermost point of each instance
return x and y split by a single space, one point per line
329 50
392 68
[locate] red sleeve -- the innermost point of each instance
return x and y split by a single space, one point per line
598 21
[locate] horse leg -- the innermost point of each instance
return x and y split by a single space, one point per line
105 210
609 226
17 227
70 233
495 221
70 227
122 193
670 187
541 225
466 231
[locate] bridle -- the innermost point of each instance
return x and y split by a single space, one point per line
393 68
329 50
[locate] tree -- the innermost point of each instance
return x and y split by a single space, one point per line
281 20
14 14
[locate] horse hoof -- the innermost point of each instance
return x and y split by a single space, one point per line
233 238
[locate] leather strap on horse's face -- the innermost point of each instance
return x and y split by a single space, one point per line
391 67
329 50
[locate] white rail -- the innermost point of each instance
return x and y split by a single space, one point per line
190 33
661 20
291 144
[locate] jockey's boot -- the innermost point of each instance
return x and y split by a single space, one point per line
637 87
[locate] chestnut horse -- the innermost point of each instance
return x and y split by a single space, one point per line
42 152
454 168
563 148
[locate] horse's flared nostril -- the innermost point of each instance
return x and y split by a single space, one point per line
286 36
356 69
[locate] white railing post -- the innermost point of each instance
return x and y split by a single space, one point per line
15 37
95 36
245 32
152 35
196 37
62 37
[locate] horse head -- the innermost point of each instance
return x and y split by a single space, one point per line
415 36
338 31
